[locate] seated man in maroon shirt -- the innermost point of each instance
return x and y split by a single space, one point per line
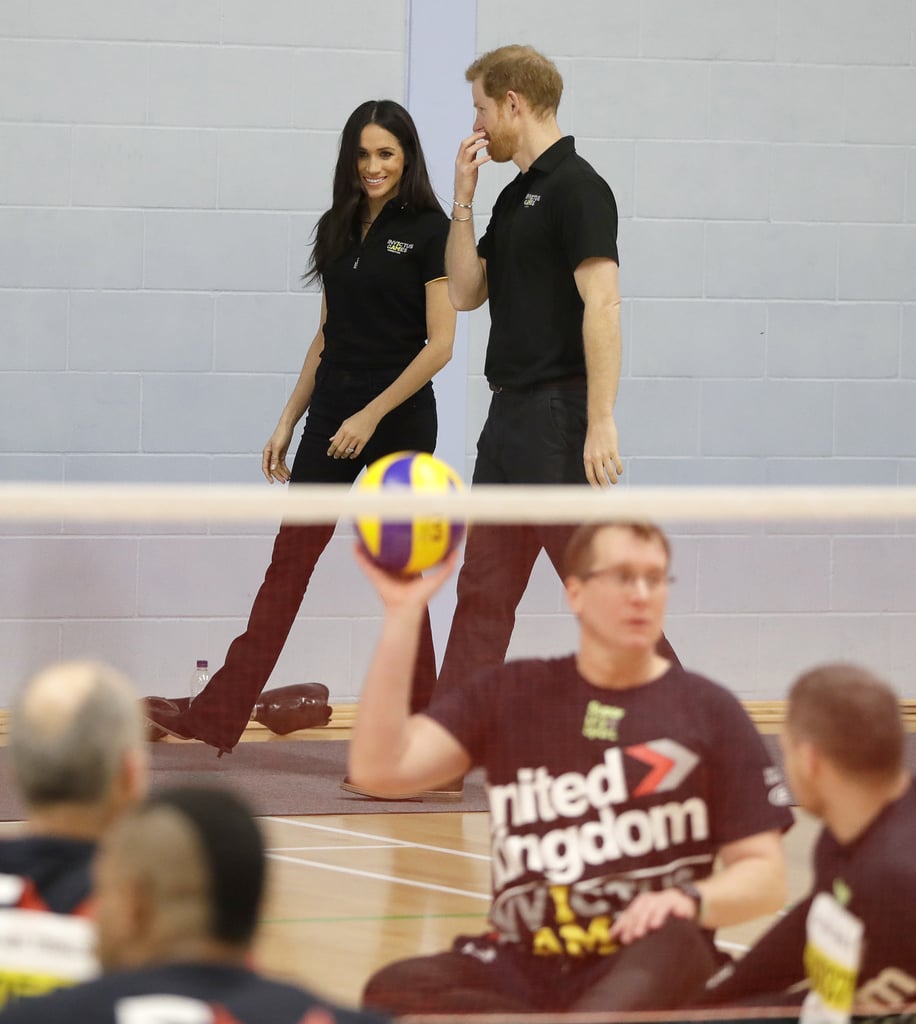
634 808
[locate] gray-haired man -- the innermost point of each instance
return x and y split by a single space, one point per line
79 760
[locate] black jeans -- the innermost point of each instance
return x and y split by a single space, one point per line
221 712
659 971
530 437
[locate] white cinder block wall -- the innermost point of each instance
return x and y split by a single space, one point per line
161 168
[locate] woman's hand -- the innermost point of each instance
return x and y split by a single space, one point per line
273 458
353 434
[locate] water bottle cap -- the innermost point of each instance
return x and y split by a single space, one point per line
201 662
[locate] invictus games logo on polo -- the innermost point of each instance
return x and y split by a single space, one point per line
601 721
531 199
399 247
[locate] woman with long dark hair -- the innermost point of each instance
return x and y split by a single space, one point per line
386 328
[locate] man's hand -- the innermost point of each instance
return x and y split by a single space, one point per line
469 160
398 591
892 991
600 456
649 911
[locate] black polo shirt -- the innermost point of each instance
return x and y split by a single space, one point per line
376 292
544 224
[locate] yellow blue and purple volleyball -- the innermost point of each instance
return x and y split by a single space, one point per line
421 542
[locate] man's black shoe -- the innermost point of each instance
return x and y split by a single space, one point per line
153 732
180 724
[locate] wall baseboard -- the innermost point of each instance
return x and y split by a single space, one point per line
767 715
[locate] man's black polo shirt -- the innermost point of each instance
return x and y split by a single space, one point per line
544 224
376 292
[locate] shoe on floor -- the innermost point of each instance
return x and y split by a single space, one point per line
177 723
448 792
165 704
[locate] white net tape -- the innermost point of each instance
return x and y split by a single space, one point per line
516 504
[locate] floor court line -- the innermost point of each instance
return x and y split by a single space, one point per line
340 846
371 918
739 947
375 876
382 839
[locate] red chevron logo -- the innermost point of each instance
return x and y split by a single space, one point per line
669 764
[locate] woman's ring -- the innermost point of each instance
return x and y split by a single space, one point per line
350 451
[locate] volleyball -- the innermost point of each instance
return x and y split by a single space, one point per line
421 542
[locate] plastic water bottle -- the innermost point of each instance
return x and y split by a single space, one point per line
199 677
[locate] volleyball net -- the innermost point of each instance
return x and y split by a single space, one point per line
769 581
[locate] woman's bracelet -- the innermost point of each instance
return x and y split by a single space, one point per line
464 206
460 220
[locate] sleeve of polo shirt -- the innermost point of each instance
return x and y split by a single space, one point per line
483 245
485 241
432 258
587 222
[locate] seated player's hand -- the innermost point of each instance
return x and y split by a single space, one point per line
399 591
649 911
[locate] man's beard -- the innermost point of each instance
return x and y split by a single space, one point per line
501 145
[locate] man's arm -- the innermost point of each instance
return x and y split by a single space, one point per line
467 272
596 280
751 882
391 751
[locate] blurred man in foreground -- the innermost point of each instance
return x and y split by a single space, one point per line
179 883
79 761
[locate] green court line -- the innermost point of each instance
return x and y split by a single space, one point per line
375 917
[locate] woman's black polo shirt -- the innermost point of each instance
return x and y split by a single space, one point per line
544 224
376 292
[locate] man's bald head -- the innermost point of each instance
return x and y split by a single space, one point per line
190 862
71 729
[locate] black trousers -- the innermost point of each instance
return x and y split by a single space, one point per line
220 713
532 437
658 972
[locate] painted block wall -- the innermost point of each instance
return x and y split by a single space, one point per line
161 168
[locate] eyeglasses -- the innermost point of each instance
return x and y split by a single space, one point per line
624 578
